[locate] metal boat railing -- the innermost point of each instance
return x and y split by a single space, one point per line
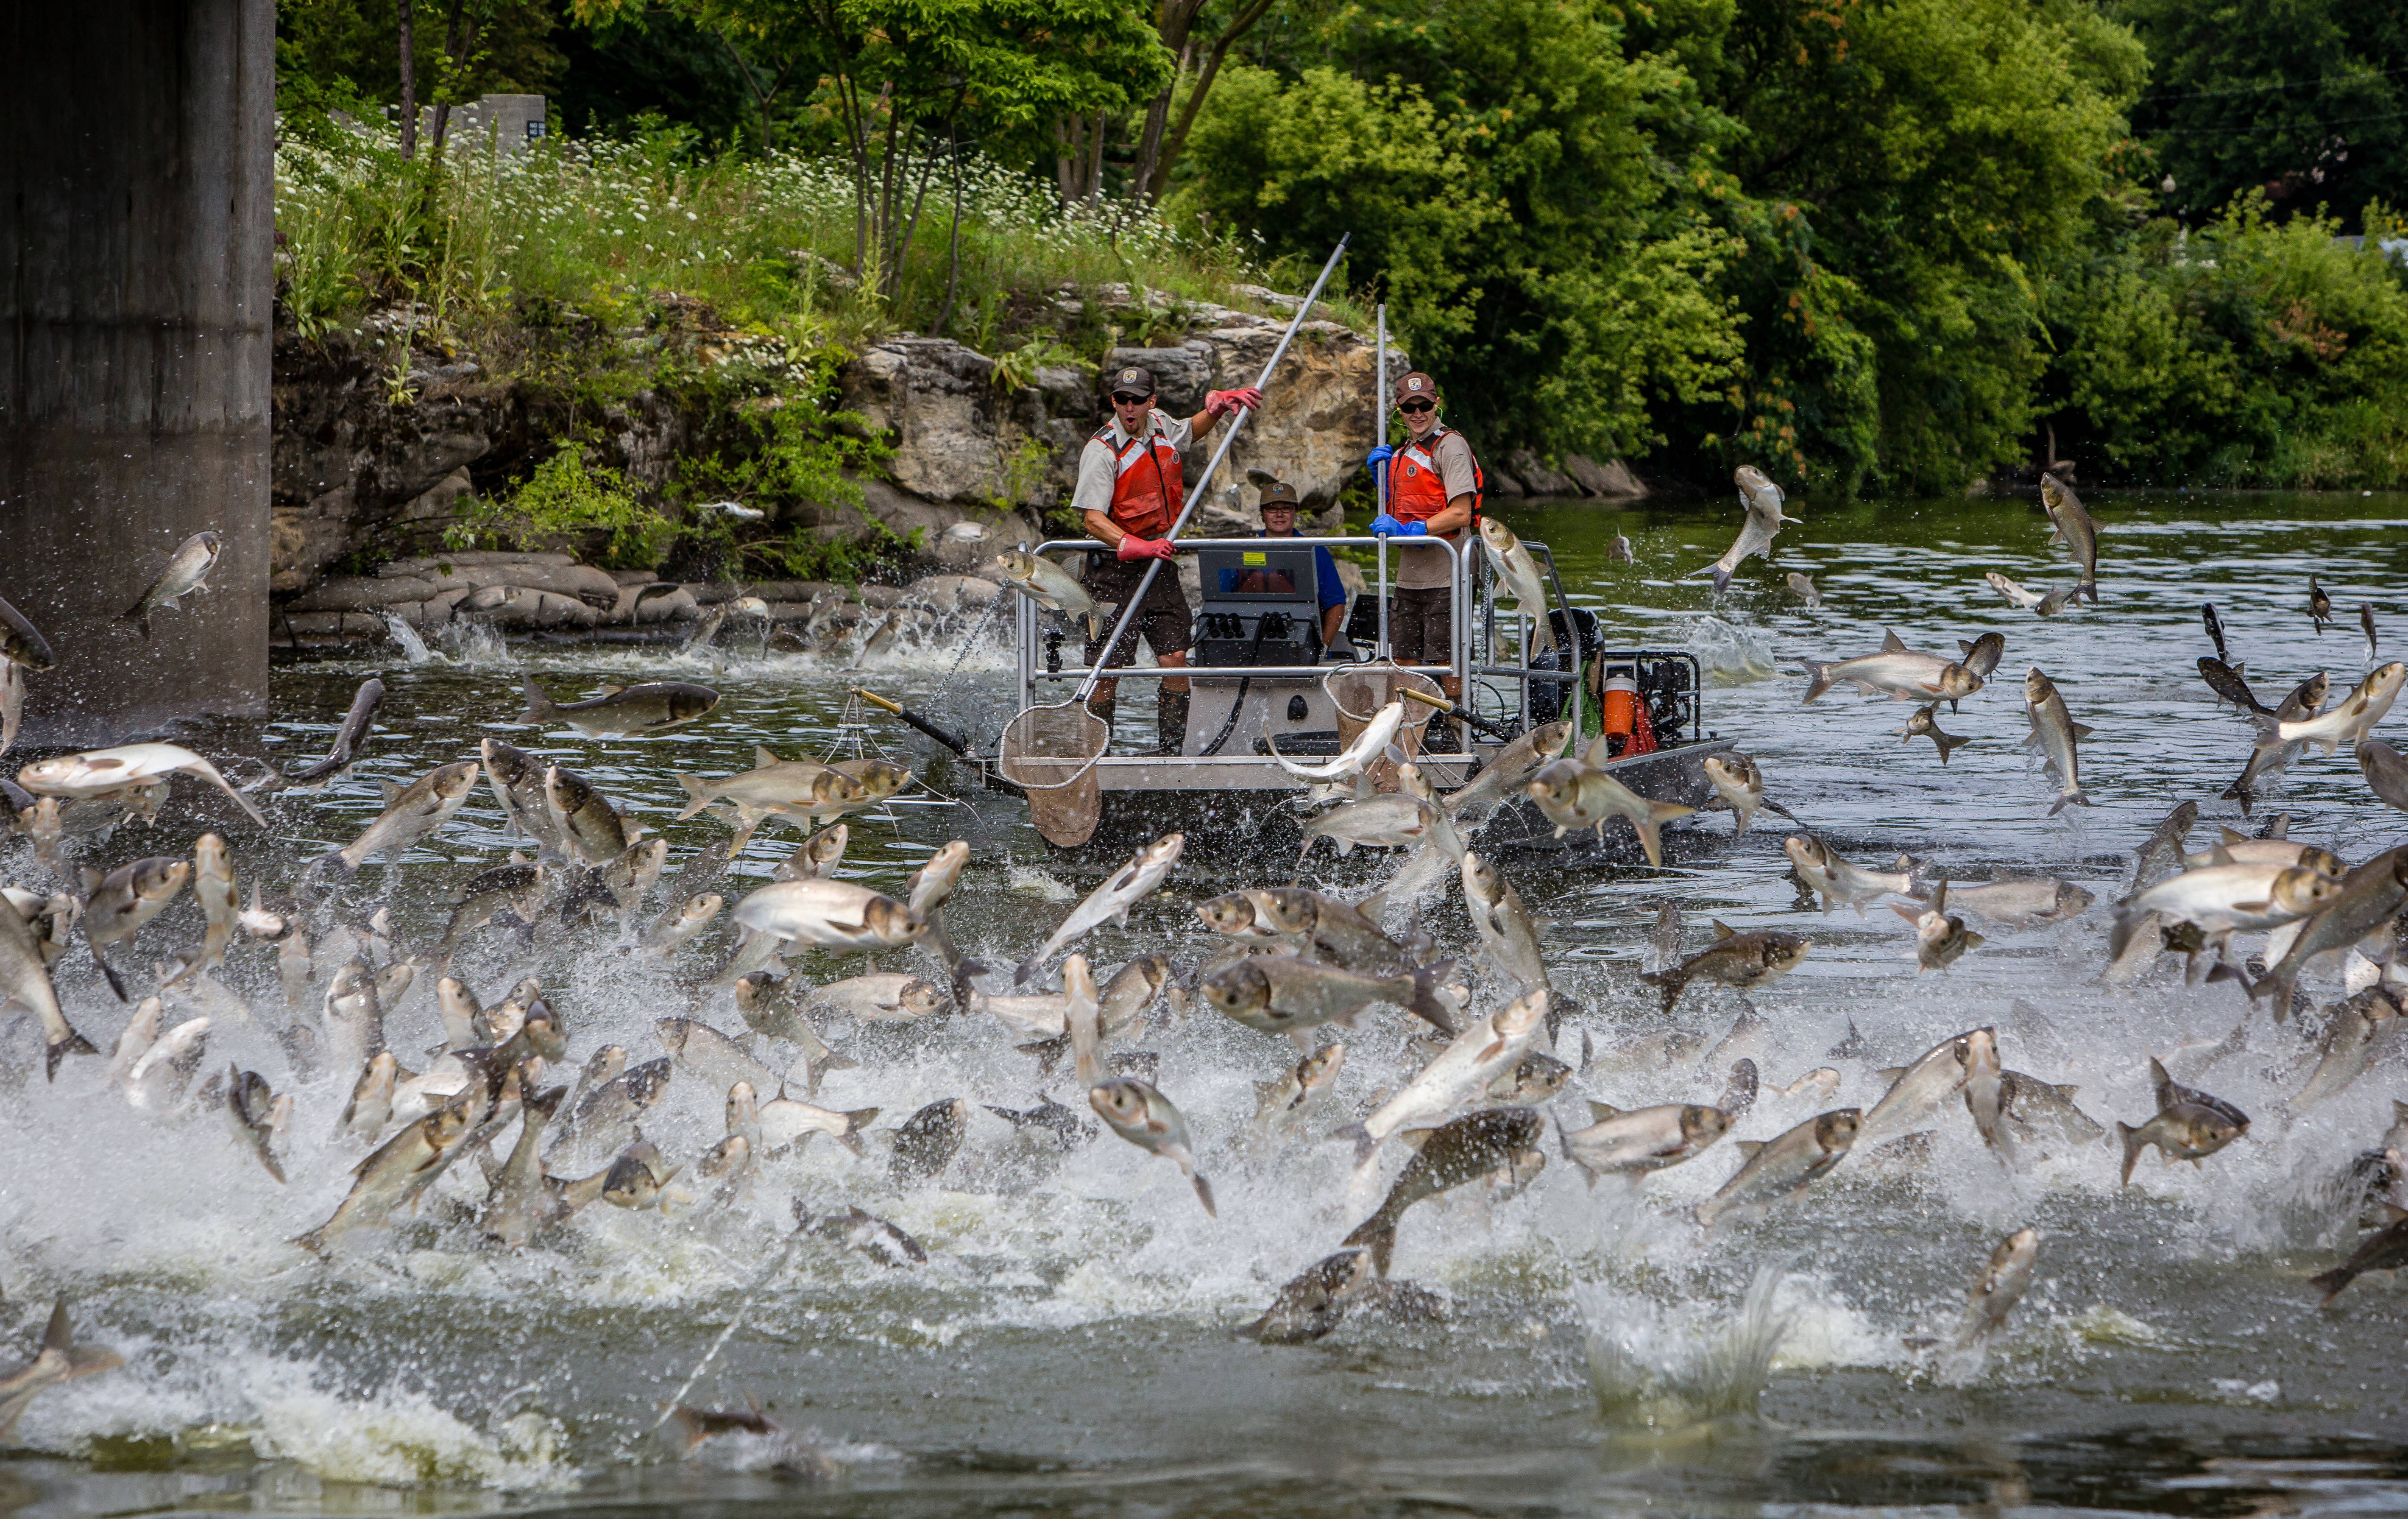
1463 574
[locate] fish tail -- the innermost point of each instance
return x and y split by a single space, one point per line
1819 677
2131 1138
2331 1282
1651 839
1722 579
1204 1193
1026 968
1379 1234
74 1043
1365 1146
315 1242
697 788
139 615
854 1121
1426 1003
1673 983
1948 745
538 706
116 983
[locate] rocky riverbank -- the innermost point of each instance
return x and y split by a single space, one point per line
371 464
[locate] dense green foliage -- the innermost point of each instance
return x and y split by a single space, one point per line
1902 244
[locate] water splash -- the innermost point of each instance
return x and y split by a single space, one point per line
476 646
413 648
1732 653
1654 1369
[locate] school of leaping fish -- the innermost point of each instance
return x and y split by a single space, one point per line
550 1132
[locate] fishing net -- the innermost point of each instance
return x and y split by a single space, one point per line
1049 753
1359 691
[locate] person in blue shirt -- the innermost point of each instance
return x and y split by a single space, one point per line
1279 505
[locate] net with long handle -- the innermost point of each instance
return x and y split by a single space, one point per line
1049 751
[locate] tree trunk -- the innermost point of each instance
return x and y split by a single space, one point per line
1173 19
953 252
409 83
456 52
1072 158
1239 24
1096 163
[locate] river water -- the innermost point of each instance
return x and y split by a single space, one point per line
1074 1345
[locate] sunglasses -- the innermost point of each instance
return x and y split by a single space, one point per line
1417 406
1121 399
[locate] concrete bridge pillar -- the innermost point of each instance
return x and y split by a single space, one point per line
136 240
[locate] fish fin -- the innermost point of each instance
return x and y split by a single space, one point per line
1910 914
1893 644
1747 1148
2072 799
1722 929
538 706
1948 745
2332 1282
2083 730
1426 1003
2129 1138
1818 676
1378 1233
1652 841
1599 1112
854 1121
1203 1193
763 758
1365 1146
1721 577
2252 907
1887 1074
116 983
388 790
74 1043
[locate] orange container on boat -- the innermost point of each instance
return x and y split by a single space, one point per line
1619 716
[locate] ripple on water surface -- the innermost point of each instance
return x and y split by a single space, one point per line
1072 1344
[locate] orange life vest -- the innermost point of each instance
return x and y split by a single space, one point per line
1146 486
1417 487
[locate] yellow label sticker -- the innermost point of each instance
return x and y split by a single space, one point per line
1254 558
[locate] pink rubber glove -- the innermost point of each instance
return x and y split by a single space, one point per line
1133 547
1221 403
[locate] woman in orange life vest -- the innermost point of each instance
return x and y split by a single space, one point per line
1129 493
1433 489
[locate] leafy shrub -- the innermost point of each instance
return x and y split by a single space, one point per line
564 505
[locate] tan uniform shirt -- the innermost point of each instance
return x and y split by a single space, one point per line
1425 568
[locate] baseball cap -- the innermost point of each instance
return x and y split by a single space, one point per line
1279 492
1416 386
1133 381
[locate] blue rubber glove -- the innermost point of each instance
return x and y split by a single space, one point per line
1378 466
1385 525
1414 530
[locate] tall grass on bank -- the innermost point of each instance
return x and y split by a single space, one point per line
608 227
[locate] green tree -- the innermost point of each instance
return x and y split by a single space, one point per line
1908 176
1500 174
2305 99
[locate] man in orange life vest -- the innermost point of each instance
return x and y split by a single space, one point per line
1433 489
1129 493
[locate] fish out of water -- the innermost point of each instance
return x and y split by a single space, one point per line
815 856
100 772
1518 568
1783 1166
2356 1031
1316 1300
2181 1131
1739 781
1277 994
1763 501
1392 821
58 1359
830 914
2055 733
652 706
1940 939
2021 901
1509 939
1505 772
2386 770
410 813
1742 961
682 923
1141 1114
1487 1049
1573 794
1924 724
2371 895
117 905
2385 1252
927 1140
2353 715
1802 587
1635 1143
866 1232
1111 902
2036 1112
1996 1291
257 1115
1938 1073
1468 1149
1314 1073
883 996
1837 881
2074 527
1050 586
188 570
22 643
1897 671
395 1174
1375 739
346 746
584 816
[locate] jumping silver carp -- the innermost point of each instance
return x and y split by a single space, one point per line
1111 902
1783 1166
1933 1077
1573 794
1823 870
1494 1141
410 813
1637 1142
653 707
188 570
1487 1049
1742 961
1897 671
2073 527
1050 586
2056 733
1763 501
1138 1114
101 772
1518 568
831 914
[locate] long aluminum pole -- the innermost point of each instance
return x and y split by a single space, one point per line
1187 510
1380 477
